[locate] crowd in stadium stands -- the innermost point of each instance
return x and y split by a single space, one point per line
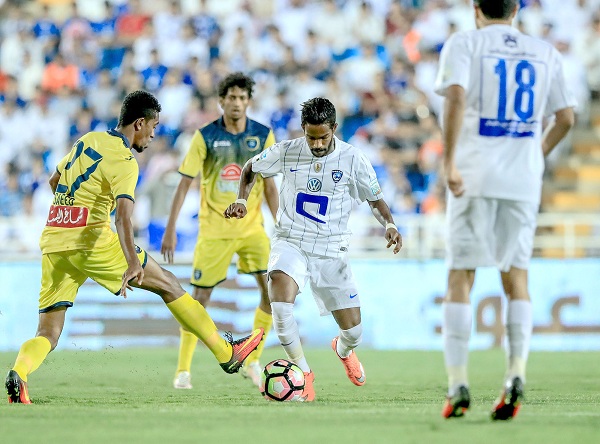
65 66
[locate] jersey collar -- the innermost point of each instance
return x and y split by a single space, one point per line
221 121
115 133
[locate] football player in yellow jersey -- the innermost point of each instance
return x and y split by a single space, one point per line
98 175
217 153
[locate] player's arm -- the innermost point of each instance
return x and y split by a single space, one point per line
382 213
268 163
53 181
271 195
564 120
271 192
247 181
454 110
169 240
125 231
191 166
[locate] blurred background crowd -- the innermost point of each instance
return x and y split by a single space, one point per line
65 67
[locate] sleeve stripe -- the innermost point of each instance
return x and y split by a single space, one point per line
126 196
186 175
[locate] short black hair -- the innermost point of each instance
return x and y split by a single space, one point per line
138 104
238 79
318 111
496 9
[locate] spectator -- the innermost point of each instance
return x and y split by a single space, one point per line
154 74
58 74
131 24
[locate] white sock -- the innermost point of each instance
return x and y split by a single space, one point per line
519 325
349 340
456 331
286 328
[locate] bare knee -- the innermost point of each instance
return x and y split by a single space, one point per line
515 284
265 302
202 295
460 283
170 286
282 288
50 326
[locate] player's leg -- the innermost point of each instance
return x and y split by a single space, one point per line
348 319
519 325
211 260
519 321
515 232
335 291
288 272
469 245
253 255
60 282
187 345
106 267
456 330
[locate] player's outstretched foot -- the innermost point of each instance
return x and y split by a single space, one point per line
252 371
457 405
16 389
354 369
508 404
308 394
241 349
183 380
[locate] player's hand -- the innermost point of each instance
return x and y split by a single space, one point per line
133 272
454 181
236 210
167 247
393 238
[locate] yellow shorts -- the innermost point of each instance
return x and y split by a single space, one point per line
213 256
65 271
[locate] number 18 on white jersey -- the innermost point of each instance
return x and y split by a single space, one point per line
512 81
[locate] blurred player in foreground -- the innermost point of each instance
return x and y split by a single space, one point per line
322 179
217 152
498 85
99 174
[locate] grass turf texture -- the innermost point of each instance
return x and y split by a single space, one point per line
127 396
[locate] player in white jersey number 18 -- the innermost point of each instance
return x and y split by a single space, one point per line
499 85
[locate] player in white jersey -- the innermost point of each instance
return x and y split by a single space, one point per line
322 178
499 85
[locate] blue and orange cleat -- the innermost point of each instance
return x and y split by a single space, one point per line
509 403
308 394
457 405
353 367
241 348
16 389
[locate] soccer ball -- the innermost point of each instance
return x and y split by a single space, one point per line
282 380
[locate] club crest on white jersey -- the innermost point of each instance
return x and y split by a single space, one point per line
318 193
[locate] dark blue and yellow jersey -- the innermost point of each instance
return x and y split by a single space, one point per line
99 169
219 157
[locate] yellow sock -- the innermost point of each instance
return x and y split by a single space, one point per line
31 355
194 318
264 320
187 346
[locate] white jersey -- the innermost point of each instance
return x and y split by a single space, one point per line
317 193
511 82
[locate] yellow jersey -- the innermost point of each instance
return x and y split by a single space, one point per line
99 169
219 156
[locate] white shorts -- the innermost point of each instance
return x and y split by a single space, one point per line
331 279
483 232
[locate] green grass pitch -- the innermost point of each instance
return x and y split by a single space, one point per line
125 396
